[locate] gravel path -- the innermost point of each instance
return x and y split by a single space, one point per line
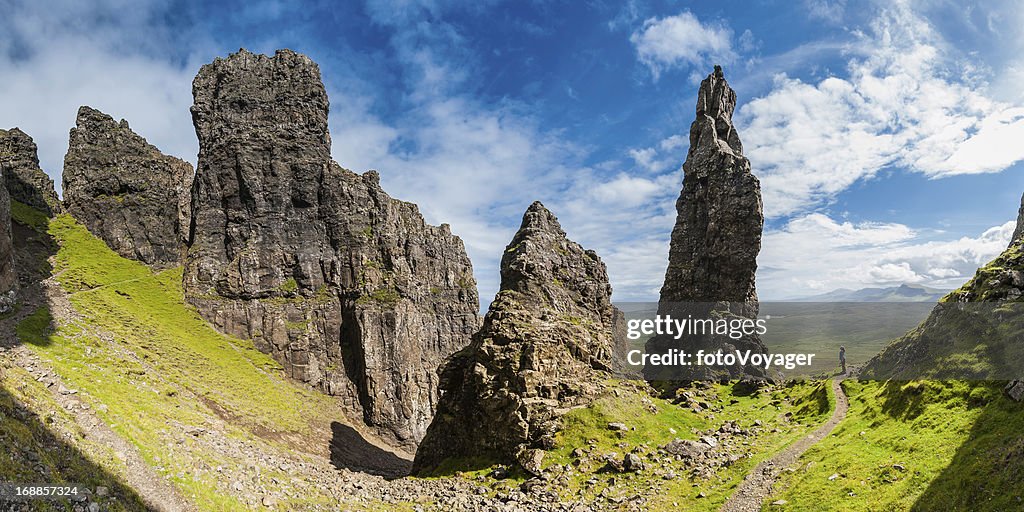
758 483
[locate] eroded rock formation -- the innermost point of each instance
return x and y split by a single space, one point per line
125 191
26 182
717 235
1018 233
8 278
348 288
546 344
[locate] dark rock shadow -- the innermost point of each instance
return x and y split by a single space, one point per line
350 450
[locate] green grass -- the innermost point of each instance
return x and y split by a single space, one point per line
959 445
157 367
654 422
27 216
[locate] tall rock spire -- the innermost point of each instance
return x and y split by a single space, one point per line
546 346
128 193
348 288
717 235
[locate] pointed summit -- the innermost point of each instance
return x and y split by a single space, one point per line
713 127
546 346
125 191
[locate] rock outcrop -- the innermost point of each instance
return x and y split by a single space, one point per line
8 278
1018 233
348 288
546 345
974 333
26 182
125 191
717 235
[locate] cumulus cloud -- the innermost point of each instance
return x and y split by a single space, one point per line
816 253
674 41
900 106
55 57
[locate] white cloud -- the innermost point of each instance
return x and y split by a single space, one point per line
815 253
674 41
825 10
55 58
900 106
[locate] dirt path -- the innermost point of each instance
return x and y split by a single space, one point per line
158 493
758 483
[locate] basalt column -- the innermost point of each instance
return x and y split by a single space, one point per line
348 288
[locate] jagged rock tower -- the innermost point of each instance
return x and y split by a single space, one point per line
8 278
717 235
974 333
546 345
348 288
125 191
26 182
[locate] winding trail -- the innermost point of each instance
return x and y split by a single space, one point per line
757 485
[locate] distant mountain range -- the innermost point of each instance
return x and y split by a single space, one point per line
902 293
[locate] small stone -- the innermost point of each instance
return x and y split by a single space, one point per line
102 491
899 467
617 426
833 477
671 475
632 462
269 501
779 503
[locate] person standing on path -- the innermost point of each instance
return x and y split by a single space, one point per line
842 358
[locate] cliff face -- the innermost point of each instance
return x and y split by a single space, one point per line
546 344
8 278
348 288
717 235
126 191
26 182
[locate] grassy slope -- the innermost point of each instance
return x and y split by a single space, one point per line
959 444
152 369
655 422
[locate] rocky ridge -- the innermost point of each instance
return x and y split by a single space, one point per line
546 345
717 235
125 191
348 288
26 182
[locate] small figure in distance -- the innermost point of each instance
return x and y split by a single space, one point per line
842 358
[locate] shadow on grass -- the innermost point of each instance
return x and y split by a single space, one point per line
31 453
987 471
349 450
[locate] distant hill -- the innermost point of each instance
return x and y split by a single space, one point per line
902 293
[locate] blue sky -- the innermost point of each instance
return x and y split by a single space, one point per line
888 135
